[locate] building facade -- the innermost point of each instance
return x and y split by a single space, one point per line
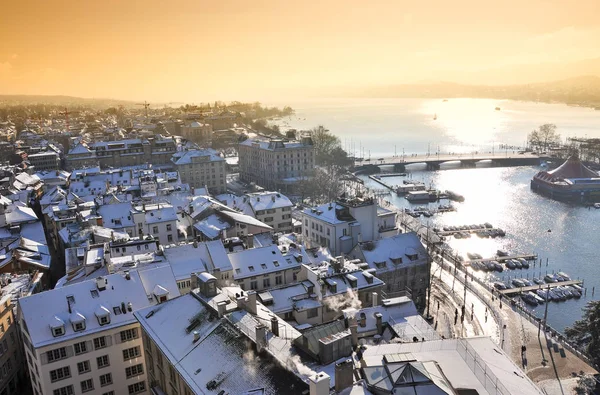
197 132
276 164
44 161
83 338
202 168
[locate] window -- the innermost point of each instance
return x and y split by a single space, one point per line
57 354
135 370
58 331
99 342
278 280
312 313
131 353
2 328
83 367
109 393
155 229
128 334
102 361
80 348
87 385
170 238
263 266
253 284
172 376
251 268
8 321
105 379
266 282
104 320
168 227
137 387
79 326
68 390
60 374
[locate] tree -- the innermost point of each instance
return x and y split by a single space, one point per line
324 143
586 331
544 137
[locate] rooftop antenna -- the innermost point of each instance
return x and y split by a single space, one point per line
146 105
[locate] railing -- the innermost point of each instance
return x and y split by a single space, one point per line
479 367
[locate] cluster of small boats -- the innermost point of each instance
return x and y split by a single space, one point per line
518 263
556 294
489 266
493 233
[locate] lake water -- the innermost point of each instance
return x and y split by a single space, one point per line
500 196
462 125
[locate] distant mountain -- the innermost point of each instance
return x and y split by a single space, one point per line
62 100
584 90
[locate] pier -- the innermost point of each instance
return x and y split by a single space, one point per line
377 179
528 257
452 232
512 291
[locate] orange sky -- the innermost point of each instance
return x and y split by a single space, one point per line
205 50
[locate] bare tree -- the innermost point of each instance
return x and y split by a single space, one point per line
544 137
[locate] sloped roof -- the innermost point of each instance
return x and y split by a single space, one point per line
573 168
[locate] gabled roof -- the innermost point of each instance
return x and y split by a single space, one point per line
44 309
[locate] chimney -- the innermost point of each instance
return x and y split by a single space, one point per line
353 325
379 320
275 326
221 307
101 283
344 378
196 336
241 302
375 297
261 337
360 237
251 302
319 384
127 275
250 241
273 198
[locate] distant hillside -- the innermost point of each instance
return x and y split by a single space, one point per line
61 100
583 90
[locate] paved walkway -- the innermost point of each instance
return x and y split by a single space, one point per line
543 360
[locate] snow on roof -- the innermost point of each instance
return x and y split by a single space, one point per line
159 281
268 200
34 231
284 298
236 202
187 157
41 310
244 219
212 226
79 149
450 354
172 325
117 215
160 213
384 254
328 213
257 261
186 259
218 255
18 214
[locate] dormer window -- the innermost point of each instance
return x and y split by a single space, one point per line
57 326
160 293
102 315
78 321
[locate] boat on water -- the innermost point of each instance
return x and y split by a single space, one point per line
529 299
501 253
550 278
564 276
518 264
510 264
497 108
454 196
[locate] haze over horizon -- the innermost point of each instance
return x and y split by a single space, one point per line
195 50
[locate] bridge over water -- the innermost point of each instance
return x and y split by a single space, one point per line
434 162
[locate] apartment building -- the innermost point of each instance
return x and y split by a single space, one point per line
400 261
276 164
48 160
128 152
340 225
83 338
272 208
197 132
202 168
